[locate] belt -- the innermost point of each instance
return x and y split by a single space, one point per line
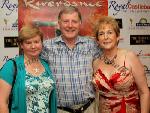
79 110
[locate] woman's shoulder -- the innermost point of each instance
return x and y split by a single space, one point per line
96 61
129 55
96 64
7 71
127 52
8 63
18 58
44 62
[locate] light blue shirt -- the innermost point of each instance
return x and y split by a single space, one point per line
72 68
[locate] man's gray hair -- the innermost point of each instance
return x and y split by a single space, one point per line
69 9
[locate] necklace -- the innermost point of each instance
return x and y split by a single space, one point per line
108 61
36 70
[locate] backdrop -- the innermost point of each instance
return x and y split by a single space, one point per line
133 17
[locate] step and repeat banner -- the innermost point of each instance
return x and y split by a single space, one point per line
44 13
8 29
133 17
134 20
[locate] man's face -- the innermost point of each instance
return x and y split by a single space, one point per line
69 24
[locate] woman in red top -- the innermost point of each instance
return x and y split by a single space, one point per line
119 75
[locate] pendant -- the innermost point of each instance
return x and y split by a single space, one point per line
108 61
36 70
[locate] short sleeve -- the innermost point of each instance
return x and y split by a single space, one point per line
7 72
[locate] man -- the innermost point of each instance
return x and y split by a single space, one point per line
70 57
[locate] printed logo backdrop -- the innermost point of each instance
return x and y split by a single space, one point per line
44 14
8 29
135 35
133 17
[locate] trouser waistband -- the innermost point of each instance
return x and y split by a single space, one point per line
79 110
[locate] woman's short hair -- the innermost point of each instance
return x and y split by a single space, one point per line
29 31
107 20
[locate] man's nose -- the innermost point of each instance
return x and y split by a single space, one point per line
70 24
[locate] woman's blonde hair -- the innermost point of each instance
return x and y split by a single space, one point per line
106 20
27 32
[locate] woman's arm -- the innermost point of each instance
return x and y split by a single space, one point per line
140 80
6 80
5 90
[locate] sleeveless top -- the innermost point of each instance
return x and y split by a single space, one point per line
38 90
119 94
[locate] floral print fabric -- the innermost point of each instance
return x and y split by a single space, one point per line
118 94
38 90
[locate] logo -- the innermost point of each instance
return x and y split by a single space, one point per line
5 58
119 23
118 7
9 7
44 3
10 27
15 24
9 10
5 21
139 39
10 42
143 22
128 6
143 54
147 71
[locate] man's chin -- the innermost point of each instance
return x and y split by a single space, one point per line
69 36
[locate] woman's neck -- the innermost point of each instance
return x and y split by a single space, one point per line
110 56
110 53
30 60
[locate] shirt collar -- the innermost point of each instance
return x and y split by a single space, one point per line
79 40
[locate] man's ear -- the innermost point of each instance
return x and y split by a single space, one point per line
58 24
80 22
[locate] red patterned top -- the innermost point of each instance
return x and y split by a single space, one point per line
119 94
